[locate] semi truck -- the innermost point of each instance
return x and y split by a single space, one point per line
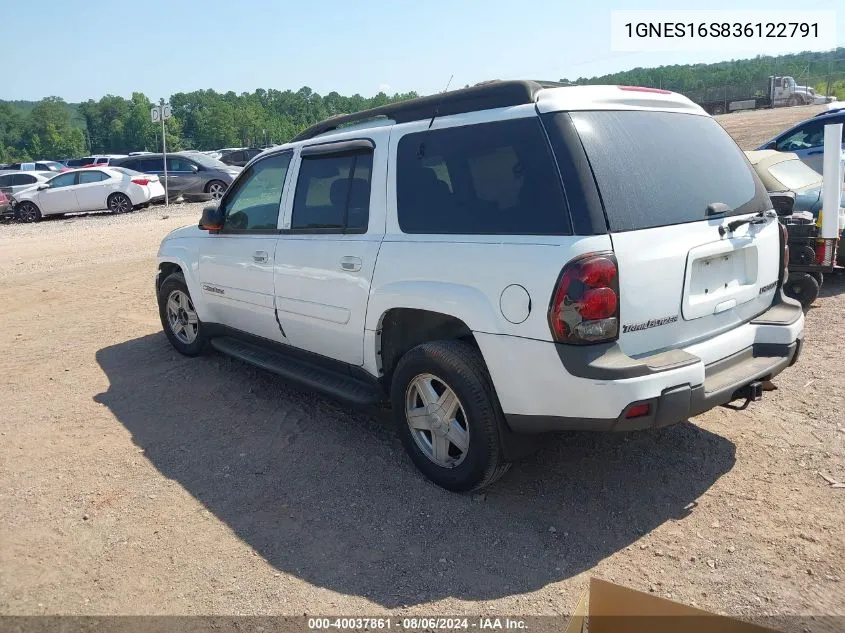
773 93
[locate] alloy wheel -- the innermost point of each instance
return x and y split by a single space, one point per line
182 317
437 420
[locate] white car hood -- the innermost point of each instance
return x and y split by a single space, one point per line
191 230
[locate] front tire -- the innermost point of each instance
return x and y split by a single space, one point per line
28 212
802 287
447 415
179 318
119 203
216 188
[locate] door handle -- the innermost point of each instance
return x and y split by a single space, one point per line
350 264
260 257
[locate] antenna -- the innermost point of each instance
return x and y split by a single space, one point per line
437 107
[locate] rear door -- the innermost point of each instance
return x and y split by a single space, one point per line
93 189
681 279
327 253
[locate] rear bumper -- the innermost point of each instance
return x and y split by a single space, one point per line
724 382
547 387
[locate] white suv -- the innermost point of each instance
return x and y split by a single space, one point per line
497 262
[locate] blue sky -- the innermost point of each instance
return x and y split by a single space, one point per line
80 49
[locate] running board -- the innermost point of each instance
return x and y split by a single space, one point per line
332 383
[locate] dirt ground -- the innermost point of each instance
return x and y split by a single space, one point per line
136 481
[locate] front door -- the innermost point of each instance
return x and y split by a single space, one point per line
182 176
326 256
60 195
236 265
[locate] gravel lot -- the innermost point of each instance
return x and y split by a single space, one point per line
136 481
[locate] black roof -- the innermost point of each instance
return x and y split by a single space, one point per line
486 96
831 111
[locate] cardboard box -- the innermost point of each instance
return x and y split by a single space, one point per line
609 608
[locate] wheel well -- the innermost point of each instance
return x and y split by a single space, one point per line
404 328
166 269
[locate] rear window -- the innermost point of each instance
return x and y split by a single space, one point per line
491 178
661 168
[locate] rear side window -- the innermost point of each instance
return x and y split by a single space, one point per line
86 177
660 168
491 178
333 192
150 164
23 179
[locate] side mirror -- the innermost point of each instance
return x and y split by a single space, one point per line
772 145
194 168
212 218
783 202
42 187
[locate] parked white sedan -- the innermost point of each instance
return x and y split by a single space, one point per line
114 189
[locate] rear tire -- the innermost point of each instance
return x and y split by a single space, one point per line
473 456
28 212
216 188
718 109
119 203
178 316
802 287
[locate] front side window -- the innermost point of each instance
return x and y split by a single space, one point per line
177 164
253 202
87 177
490 178
65 180
808 135
333 192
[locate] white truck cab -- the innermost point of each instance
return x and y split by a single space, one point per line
496 262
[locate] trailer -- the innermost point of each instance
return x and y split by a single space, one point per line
774 92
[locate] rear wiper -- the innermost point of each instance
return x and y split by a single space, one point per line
760 218
717 208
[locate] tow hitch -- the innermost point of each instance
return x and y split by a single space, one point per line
751 392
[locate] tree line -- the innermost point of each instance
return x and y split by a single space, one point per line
824 71
205 119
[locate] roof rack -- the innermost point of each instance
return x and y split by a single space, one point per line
485 96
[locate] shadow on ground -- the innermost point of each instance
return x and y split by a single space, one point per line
325 493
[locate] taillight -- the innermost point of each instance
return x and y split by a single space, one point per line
141 181
585 303
784 240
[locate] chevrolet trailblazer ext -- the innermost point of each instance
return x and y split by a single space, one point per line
507 259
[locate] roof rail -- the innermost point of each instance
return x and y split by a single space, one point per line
831 111
494 94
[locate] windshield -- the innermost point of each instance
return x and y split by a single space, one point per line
794 174
648 178
207 161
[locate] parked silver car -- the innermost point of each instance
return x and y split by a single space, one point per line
187 172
